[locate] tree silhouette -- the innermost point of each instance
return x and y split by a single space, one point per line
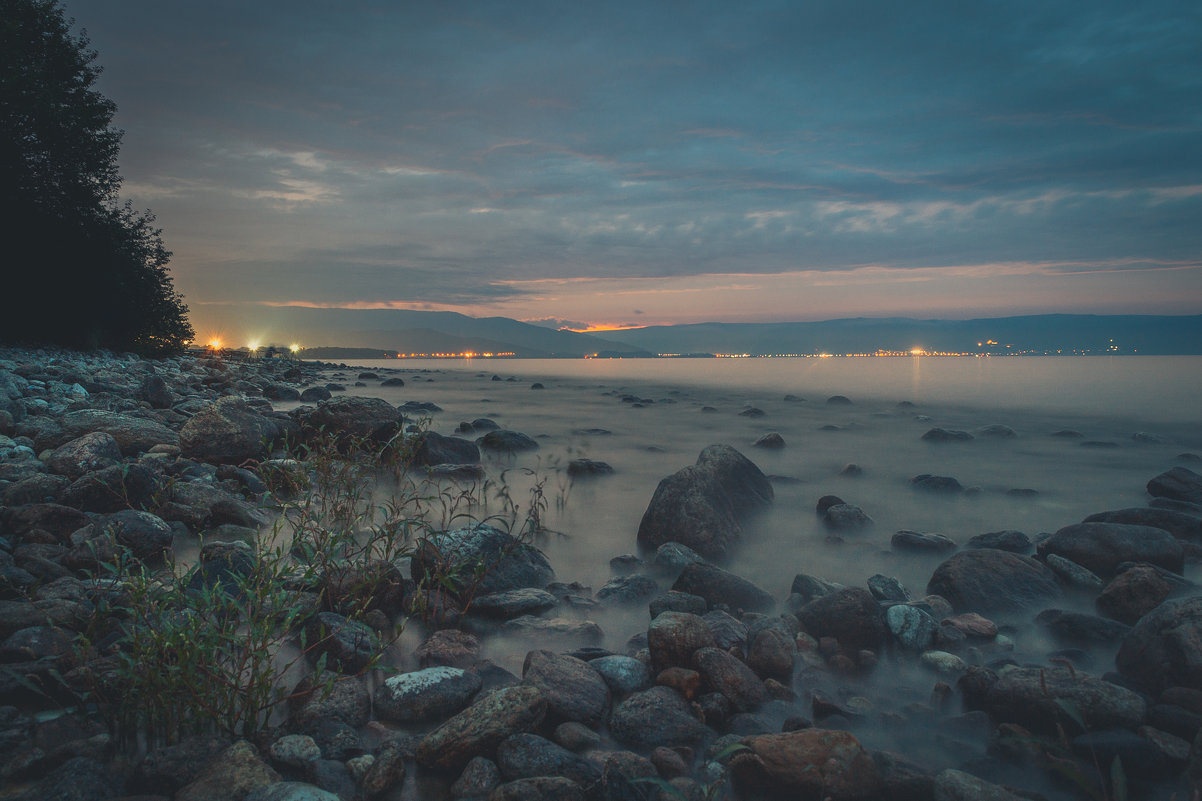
84 269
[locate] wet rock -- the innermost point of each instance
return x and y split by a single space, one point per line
566 631
479 778
988 580
655 717
1072 573
770 441
1075 628
673 637
1102 547
628 590
729 632
1133 593
348 702
348 644
513 603
449 647
851 616
700 506
772 654
808 765
428 694
147 537
946 435
436 449
295 751
716 585
838 400
914 629
956 785
166 769
228 432
525 756
1140 756
751 411
573 690
906 540
1181 525
291 791
479 729
673 557
722 673
942 485
846 517
134 435
352 418
1164 648
585 468
539 788
673 601
83 455
887 588
505 562
1178 483
79 779
236 773
997 431
1008 540
623 674
503 441
1035 698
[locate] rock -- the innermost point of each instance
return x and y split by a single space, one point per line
134 435
479 729
838 400
1072 573
113 488
504 441
956 785
772 654
1132 594
147 536
700 506
716 585
228 432
352 418
79 779
623 674
291 791
1164 648
449 647
988 580
672 557
435 449
846 517
913 628
751 411
722 673
1181 525
573 690
851 616
673 637
348 644
943 662
906 540
513 603
154 391
281 392
295 750
973 626
1177 483
887 588
807 765
539 788
1102 547
525 756
946 435
586 468
770 441
811 587
943 485
1036 699
997 431
1008 540
480 560
314 394
83 455
479 778
387 771
348 703
236 773
38 488
1075 628
544 631
166 769
432 693
628 590
655 717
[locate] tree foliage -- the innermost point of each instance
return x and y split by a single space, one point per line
84 269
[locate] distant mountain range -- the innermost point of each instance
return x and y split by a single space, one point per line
1045 333
421 332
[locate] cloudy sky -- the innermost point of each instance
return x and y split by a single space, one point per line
628 163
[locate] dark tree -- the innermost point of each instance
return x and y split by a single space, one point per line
82 268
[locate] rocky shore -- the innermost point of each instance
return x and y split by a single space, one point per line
113 468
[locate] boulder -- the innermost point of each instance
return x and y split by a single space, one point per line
480 560
351 418
701 505
432 693
1007 540
587 468
1102 547
1133 593
83 455
113 488
723 673
504 441
1037 699
1177 483
236 773
479 729
921 542
807 765
656 717
134 435
956 785
992 581
851 616
1181 525
525 756
228 432
436 449
943 485
1164 648
574 691
673 637
718 586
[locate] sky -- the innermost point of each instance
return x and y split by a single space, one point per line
612 164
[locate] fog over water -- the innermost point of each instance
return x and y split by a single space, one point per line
1107 400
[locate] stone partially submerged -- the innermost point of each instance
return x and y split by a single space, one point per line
702 506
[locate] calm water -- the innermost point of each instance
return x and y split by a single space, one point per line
1104 399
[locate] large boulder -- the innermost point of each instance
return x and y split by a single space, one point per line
574 691
806 765
134 435
718 586
992 581
701 506
1037 699
723 673
1181 525
656 717
673 637
436 449
431 693
352 417
228 431
1179 484
1102 547
480 560
1164 649
479 729
83 455
851 616
526 756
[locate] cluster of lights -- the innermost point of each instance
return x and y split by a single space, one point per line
469 354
